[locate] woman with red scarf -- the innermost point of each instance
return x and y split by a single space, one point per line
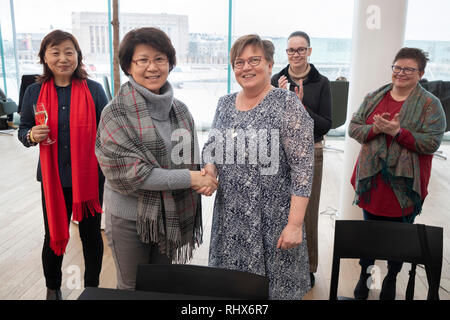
68 170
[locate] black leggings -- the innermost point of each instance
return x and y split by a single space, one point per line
91 239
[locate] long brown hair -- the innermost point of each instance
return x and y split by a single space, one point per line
54 38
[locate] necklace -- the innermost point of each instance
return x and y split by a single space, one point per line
241 97
296 77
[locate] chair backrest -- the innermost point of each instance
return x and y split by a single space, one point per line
7 106
389 241
440 89
339 99
107 88
202 281
27 79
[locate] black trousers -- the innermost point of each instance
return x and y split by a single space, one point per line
91 239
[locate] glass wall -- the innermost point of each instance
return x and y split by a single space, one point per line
35 19
200 33
8 74
428 28
327 22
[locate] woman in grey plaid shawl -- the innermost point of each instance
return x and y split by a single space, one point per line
153 212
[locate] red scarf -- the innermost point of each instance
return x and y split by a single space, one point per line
83 130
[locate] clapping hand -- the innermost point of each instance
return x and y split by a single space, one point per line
283 82
299 90
383 124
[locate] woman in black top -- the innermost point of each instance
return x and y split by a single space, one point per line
313 90
71 182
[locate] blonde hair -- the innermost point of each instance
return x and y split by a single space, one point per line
255 41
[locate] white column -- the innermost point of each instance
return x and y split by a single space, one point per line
378 34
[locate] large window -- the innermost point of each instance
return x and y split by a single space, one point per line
428 28
8 65
327 22
200 33
35 19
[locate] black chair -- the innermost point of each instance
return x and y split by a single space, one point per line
441 89
7 107
27 79
414 243
202 281
339 100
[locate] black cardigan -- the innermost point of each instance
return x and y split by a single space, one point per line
316 99
64 96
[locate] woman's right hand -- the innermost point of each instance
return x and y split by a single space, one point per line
40 133
282 82
203 183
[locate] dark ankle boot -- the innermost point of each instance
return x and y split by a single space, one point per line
362 289
388 287
312 279
54 294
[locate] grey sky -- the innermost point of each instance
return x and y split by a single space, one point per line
427 19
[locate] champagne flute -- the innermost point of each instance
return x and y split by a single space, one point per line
41 117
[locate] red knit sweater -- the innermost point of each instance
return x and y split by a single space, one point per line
383 201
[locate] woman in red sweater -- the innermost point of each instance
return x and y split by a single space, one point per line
399 127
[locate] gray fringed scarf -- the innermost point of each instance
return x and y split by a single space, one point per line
128 147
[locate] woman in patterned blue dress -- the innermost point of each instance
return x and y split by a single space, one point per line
261 149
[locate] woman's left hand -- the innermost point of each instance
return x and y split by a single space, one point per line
299 90
290 237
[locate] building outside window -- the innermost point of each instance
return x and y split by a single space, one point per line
199 32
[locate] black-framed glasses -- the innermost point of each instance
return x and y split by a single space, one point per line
252 61
300 51
145 62
406 70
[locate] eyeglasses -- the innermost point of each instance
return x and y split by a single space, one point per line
144 62
300 51
407 71
252 61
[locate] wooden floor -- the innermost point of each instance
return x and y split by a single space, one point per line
22 231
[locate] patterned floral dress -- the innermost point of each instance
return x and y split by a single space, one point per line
263 156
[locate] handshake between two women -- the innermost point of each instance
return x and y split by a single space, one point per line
205 181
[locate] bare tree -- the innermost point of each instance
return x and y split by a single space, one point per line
115 24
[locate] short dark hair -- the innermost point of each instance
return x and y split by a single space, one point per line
253 40
55 38
153 37
301 34
420 56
